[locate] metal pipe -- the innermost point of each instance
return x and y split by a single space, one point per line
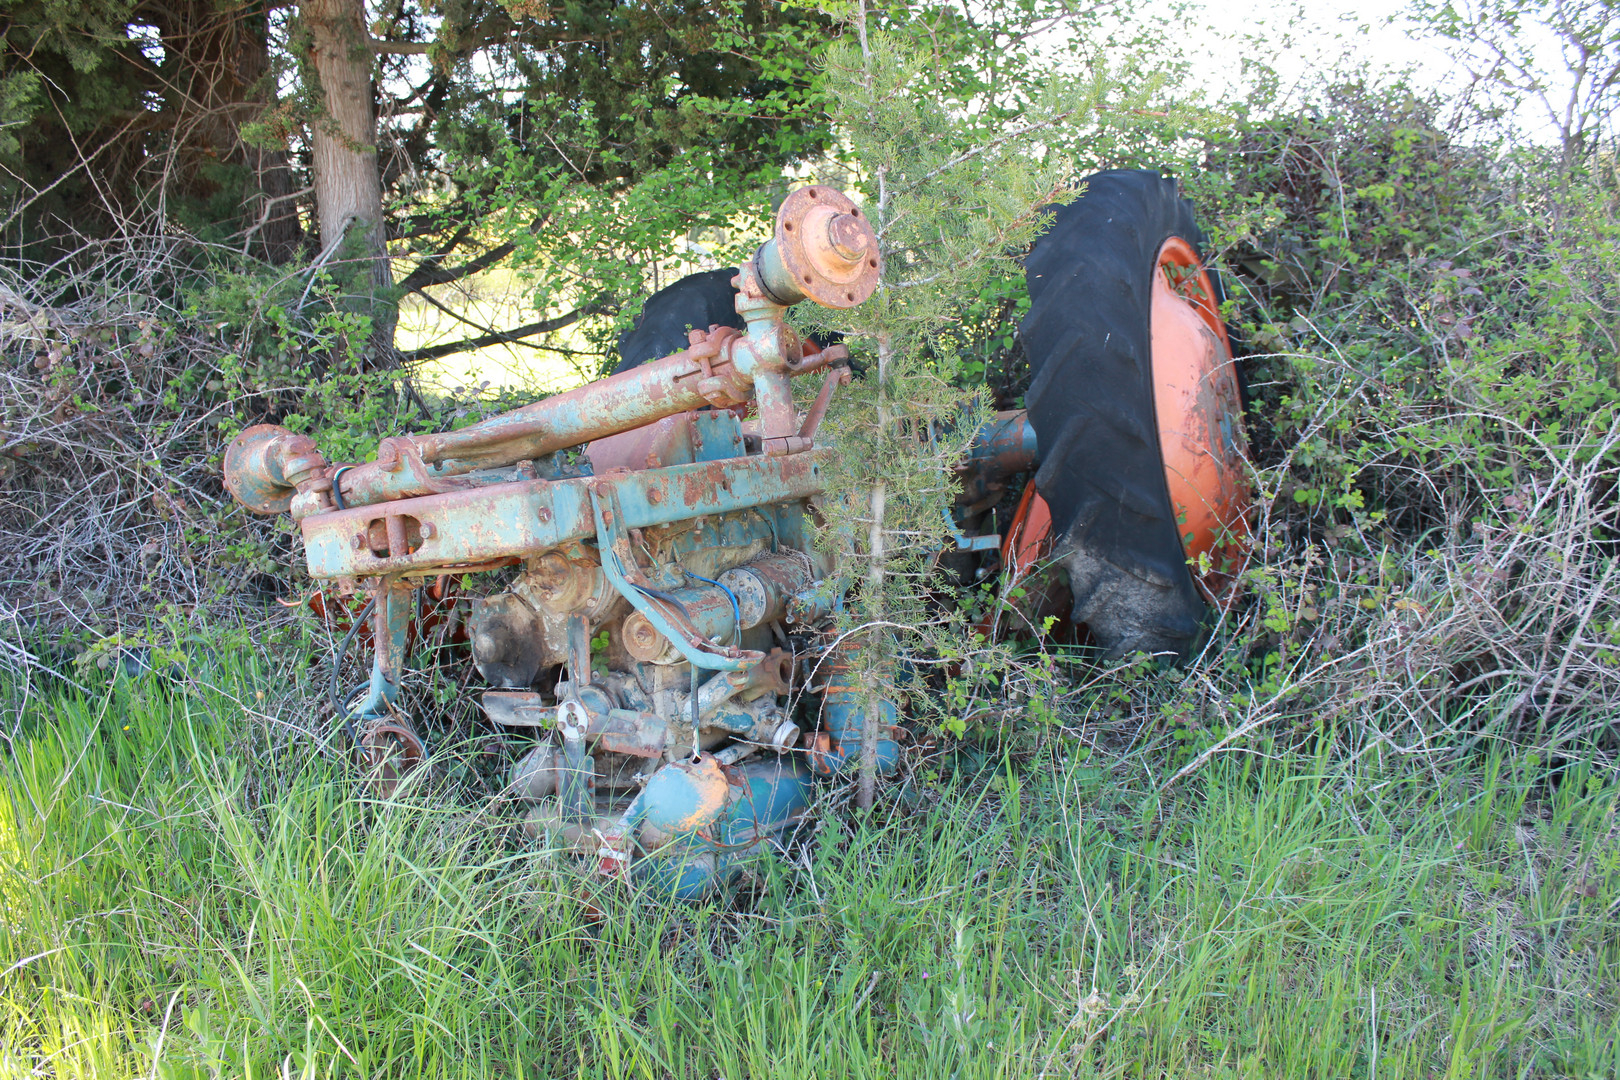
408 466
1006 445
837 377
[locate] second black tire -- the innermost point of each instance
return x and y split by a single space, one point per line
1088 335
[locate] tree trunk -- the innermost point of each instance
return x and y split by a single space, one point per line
271 195
872 729
348 187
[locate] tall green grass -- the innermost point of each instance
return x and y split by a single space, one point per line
186 893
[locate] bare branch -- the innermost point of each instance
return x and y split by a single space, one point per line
503 337
400 48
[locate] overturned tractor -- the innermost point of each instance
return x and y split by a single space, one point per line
668 511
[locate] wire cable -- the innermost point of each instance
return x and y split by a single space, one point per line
736 608
337 486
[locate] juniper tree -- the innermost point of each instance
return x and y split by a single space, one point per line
955 191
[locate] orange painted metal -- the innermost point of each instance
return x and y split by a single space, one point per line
824 249
1200 419
1027 541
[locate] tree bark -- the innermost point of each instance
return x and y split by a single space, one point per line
872 729
348 186
271 196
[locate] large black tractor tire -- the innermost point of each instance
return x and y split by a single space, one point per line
697 301
1091 401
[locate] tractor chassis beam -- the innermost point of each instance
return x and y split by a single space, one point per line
465 530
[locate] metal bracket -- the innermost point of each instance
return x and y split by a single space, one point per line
964 542
390 629
579 770
579 650
716 436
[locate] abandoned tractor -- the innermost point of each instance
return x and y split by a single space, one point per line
668 603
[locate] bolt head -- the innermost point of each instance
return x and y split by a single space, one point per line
847 238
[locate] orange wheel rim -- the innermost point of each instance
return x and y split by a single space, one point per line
1200 416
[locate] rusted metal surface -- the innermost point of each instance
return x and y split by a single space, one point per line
527 518
409 466
265 465
518 708
824 250
745 597
1200 419
765 585
687 796
816 357
390 750
508 645
622 571
843 719
666 442
836 377
689 548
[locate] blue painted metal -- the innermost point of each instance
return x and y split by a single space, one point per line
264 464
523 519
716 435
964 542
773 794
817 602
614 547
764 798
390 627
1007 443
843 718
475 526
687 798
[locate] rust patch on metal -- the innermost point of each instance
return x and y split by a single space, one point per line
389 751
828 246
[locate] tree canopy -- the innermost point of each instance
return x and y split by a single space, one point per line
409 144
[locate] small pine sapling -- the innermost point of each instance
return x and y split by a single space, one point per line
956 194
